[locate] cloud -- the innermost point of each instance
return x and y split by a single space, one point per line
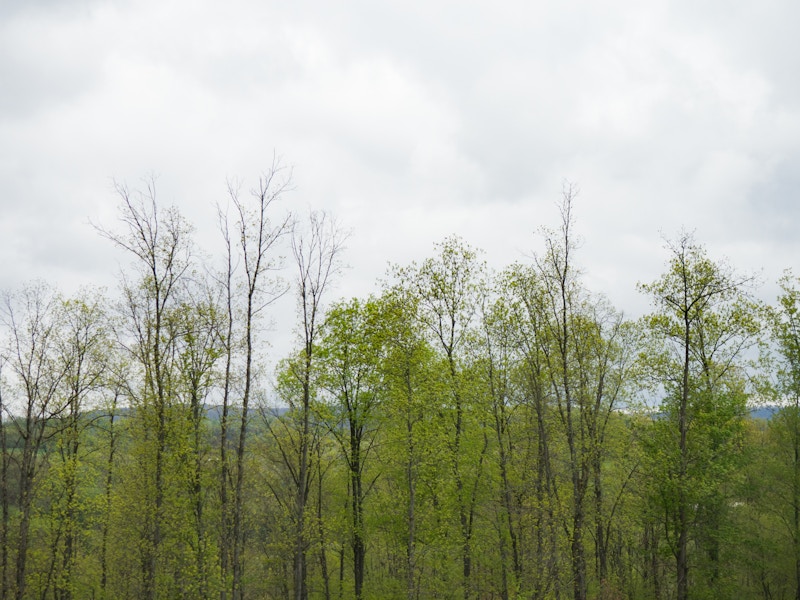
410 121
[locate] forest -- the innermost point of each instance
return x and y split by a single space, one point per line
460 434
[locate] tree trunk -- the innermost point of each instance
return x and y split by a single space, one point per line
601 544
25 500
112 446
300 592
323 552
4 524
796 497
682 557
359 549
411 483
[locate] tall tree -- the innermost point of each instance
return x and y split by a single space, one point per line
199 321
583 376
159 242
351 352
529 318
703 325
785 427
84 349
410 447
317 252
257 233
497 359
31 319
448 289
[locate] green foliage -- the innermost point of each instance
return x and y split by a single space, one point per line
703 327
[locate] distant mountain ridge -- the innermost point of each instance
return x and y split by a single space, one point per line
764 412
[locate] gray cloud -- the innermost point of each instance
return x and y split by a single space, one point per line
410 121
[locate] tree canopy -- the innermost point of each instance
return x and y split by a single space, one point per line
461 433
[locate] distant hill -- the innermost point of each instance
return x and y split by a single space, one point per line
214 412
763 412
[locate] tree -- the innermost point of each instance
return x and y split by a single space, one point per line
115 389
198 321
411 445
785 428
703 325
497 359
351 352
159 242
83 351
584 369
31 319
317 256
447 290
257 237
528 317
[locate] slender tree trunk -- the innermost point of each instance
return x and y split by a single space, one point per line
52 567
33 434
578 556
463 516
651 562
300 592
112 447
256 238
498 399
545 569
225 510
25 500
238 506
4 525
466 547
225 550
153 550
796 497
601 545
682 557
411 481
506 492
323 552
342 552
359 550
155 381
197 496
64 582
317 259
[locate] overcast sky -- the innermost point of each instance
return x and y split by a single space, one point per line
409 121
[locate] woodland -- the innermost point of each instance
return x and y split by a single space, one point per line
460 434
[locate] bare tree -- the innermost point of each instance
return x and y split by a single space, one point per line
159 241
316 252
256 253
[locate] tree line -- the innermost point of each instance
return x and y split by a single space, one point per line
462 433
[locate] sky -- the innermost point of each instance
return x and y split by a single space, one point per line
409 122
